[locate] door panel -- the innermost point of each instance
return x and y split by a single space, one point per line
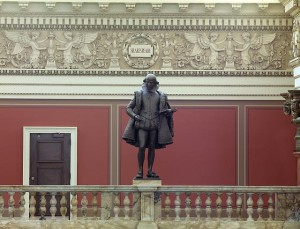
50 163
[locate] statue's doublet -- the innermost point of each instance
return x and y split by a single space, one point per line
141 105
149 111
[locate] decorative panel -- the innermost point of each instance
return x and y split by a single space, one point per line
93 123
270 158
204 151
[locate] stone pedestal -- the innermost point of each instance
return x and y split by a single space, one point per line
149 202
297 155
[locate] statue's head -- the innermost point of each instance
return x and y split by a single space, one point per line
150 82
150 77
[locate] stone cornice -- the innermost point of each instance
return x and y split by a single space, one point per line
157 6
148 22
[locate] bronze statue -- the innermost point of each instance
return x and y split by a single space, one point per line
151 123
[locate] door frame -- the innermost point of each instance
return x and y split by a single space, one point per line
27 130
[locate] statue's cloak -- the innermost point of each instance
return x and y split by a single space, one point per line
165 129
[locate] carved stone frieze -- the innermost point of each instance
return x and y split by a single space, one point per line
57 49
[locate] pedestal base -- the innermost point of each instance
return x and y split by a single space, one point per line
147 225
147 182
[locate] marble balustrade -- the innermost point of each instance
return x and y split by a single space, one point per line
171 203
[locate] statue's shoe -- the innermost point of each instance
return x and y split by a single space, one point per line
139 176
152 175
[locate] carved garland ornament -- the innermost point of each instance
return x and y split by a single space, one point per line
140 51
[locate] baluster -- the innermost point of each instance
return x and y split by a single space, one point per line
95 205
84 203
126 206
74 203
32 203
116 205
229 205
167 205
219 205
270 207
208 206
1 205
198 203
187 206
239 203
177 203
63 205
250 207
21 204
43 205
260 204
53 203
11 204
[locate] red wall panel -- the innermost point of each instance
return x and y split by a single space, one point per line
270 147
203 153
93 139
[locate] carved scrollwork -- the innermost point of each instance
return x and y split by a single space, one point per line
140 51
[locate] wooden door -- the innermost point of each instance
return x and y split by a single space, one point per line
50 163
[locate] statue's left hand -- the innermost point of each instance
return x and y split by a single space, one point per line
172 110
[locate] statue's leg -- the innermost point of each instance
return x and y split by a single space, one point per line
151 152
142 138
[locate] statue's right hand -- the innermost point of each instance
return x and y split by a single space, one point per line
138 118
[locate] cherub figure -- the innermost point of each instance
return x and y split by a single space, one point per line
257 42
78 41
203 42
23 40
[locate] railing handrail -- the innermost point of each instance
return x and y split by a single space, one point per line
68 188
247 189
163 188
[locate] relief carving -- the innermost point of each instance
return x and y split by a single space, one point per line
166 51
140 51
79 42
22 40
203 42
253 52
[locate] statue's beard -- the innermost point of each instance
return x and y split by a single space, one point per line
144 88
